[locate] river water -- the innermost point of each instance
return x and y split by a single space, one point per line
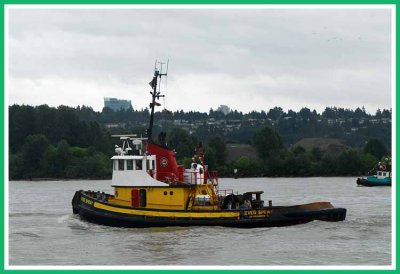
43 231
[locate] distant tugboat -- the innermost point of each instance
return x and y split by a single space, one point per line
382 176
152 190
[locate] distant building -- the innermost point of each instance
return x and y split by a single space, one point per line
224 109
117 104
114 125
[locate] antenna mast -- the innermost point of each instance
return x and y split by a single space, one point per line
155 95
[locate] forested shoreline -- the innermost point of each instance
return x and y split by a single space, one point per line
76 143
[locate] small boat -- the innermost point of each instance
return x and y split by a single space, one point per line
382 176
152 190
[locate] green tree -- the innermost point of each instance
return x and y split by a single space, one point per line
245 166
103 143
68 127
267 141
186 161
210 158
92 165
368 162
31 155
21 124
180 140
329 165
15 164
305 113
45 122
298 150
217 145
376 148
349 163
57 159
297 162
275 113
274 165
316 154
329 113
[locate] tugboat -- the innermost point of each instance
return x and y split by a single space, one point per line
152 190
382 176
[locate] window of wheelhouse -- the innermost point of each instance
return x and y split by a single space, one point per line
386 174
148 165
121 165
129 165
138 164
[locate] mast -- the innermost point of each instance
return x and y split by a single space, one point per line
155 95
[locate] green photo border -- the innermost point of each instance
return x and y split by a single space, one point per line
66 2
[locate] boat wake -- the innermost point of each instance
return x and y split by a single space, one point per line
74 222
64 218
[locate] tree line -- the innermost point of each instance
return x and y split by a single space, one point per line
79 125
65 142
276 160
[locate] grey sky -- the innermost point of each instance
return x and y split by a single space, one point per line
248 59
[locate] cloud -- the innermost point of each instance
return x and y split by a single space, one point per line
245 58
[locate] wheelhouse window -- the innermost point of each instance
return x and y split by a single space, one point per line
379 173
129 165
121 165
148 164
138 164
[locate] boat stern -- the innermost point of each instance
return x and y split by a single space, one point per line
321 211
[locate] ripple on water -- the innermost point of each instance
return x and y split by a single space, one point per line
43 231
27 234
33 214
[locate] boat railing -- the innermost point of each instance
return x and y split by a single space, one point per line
213 177
189 177
224 192
193 177
102 196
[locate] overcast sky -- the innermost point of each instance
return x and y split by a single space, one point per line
248 59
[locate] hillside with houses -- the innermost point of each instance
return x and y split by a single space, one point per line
306 143
354 127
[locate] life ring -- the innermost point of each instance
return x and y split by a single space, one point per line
383 167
